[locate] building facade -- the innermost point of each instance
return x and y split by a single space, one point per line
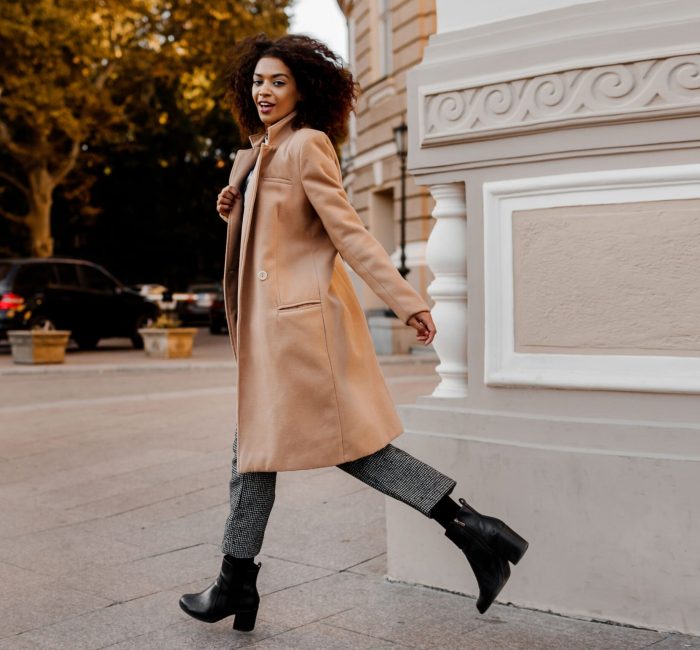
560 140
386 38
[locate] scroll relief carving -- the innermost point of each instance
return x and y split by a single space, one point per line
614 91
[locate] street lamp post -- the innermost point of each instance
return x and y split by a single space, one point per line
401 139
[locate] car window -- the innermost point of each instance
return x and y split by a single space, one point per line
4 275
68 275
33 278
96 280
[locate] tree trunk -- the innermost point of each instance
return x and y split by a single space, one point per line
41 186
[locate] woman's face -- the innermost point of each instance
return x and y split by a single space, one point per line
274 90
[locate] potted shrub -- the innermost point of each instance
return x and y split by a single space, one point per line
38 345
165 339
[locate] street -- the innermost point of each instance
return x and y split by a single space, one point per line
113 494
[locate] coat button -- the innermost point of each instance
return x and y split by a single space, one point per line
262 275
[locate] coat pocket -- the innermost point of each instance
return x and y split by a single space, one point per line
296 306
277 179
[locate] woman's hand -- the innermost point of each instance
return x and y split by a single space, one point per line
227 197
423 322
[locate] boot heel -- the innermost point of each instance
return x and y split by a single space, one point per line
245 621
510 545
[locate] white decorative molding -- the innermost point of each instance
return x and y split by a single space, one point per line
370 156
630 91
452 16
505 367
446 254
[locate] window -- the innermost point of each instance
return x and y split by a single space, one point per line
96 280
33 278
68 275
352 32
4 273
384 41
382 220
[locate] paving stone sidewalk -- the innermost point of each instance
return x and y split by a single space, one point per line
112 505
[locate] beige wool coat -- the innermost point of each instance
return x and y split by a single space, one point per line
310 390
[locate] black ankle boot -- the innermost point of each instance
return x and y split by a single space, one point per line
232 593
489 545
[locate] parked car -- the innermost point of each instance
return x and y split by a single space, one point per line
70 294
217 315
192 307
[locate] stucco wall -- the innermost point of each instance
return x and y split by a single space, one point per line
610 279
574 136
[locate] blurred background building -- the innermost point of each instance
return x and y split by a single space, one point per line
385 40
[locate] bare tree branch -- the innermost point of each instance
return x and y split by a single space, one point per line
14 218
4 133
67 165
13 181
18 151
104 75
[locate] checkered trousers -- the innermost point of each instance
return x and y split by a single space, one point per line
390 470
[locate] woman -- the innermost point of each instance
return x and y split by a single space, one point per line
310 390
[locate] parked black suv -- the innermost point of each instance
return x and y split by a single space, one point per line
70 294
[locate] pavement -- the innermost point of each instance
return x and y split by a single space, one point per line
113 494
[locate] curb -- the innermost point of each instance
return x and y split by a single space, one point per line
99 368
168 366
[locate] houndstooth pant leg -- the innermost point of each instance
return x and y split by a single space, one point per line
397 474
252 496
390 470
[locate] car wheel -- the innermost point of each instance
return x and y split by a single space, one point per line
41 322
144 320
86 341
214 328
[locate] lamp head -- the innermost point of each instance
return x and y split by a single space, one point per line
401 139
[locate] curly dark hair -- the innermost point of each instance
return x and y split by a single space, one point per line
327 88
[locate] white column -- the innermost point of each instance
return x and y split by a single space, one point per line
446 254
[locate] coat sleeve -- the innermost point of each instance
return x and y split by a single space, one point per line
321 179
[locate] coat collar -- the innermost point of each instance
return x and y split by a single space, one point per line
274 131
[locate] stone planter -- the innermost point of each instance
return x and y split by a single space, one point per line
168 342
38 346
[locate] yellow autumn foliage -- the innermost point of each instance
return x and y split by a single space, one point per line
73 72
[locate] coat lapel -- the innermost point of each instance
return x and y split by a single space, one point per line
248 204
276 133
241 216
244 162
